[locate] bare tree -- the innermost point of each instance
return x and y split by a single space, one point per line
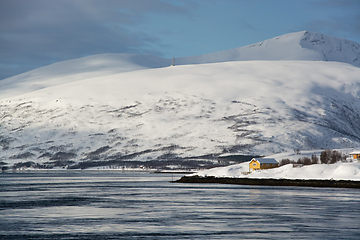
297 151
330 157
284 162
314 159
325 156
304 161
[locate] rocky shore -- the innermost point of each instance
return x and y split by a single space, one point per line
272 182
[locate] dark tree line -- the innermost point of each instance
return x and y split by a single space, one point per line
330 157
327 156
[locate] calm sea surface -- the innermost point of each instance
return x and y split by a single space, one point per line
116 205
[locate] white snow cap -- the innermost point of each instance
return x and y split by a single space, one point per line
304 45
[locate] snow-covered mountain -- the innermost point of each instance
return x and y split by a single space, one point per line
305 45
111 109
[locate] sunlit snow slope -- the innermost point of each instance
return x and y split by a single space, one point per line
78 69
115 108
254 107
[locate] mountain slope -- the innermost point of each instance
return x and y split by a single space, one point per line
186 112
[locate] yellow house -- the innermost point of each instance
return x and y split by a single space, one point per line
262 163
355 156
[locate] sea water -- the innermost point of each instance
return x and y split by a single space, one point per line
123 205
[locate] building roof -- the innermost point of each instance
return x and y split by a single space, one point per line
355 152
265 160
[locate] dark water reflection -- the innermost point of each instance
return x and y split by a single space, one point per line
116 205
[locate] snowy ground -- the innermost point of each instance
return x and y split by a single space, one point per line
337 171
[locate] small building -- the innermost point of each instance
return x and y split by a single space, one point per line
355 156
262 163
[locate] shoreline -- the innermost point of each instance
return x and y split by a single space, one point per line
272 182
128 170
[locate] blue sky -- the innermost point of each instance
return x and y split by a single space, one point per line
35 33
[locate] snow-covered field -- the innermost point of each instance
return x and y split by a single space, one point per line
337 171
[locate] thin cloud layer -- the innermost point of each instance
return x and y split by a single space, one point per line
39 32
343 17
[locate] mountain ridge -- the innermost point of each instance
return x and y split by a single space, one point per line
304 45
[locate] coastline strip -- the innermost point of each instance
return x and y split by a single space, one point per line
272 182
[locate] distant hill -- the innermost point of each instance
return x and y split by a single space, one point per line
78 69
